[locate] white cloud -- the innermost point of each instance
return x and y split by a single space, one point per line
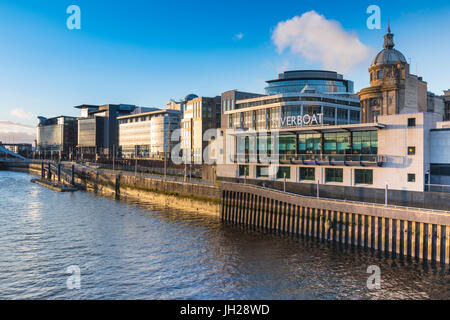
16 132
19 113
320 40
239 36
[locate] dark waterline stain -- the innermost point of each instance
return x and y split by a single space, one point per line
136 250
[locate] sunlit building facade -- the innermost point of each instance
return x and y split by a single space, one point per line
148 135
56 136
200 115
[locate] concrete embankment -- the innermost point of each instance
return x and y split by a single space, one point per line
183 196
197 197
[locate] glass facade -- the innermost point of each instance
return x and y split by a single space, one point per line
50 138
365 142
291 86
337 143
287 145
362 144
310 143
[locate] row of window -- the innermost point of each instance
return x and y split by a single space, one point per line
264 118
362 176
294 99
361 142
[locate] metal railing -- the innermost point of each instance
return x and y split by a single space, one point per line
437 188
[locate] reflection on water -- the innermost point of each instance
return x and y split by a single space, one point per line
139 251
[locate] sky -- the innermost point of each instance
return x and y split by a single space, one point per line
148 52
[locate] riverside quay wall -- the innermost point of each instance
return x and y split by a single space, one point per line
409 232
195 197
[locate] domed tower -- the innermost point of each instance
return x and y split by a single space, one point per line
393 90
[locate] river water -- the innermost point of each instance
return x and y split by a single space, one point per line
140 251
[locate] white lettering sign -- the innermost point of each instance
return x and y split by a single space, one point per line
300 121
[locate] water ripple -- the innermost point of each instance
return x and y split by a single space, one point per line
142 251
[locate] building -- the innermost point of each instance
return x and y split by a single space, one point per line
393 89
320 80
56 137
447 105
148 135
435 104
440 155
400 151
200 115
331 105
98 128
229 99
180 105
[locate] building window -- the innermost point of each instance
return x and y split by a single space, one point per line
284 172
287 145
363 176
334 175
244 171
262 172
411 151
411 122
308 174
411 177
337 143
310 143
380 74
365 142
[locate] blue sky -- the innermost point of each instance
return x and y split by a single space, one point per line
147 52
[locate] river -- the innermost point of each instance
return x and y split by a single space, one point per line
136 250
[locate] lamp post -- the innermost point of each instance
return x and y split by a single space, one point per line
284 174
114 158
386 195
318 189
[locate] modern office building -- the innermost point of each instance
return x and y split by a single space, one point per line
148 135
393 89
200 115
56 137
229 99
98 128
315 101
402 151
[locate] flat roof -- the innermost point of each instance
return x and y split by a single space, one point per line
83 106
309 75
151 113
